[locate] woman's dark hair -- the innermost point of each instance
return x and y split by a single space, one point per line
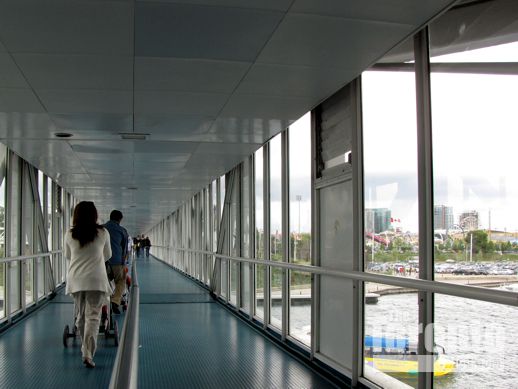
84 223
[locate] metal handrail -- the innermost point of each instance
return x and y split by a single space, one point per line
25 257
125 369
471 292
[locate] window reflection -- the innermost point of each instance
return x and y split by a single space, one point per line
259 232
300 227
276 241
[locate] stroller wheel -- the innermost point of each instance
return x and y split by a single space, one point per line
65 335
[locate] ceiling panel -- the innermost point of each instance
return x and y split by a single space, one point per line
278 5
75 179
319 41
174 127
267 107
193 31
26 125
62 26
87 101
104 149
397 11
182 103
19 100
10 76
245 130
44 71
156 147
93 124
191 75
293 81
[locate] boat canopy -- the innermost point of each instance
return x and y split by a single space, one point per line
374 341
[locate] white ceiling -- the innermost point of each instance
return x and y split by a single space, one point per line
210 81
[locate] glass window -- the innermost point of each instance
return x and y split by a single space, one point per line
390 167
474 57
49 212
276 241
474 125
391 331
391 245
475 346
234 238
245 234
28 238
300 227
259 232
224 263
3 172
15 217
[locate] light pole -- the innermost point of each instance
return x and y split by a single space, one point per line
298 198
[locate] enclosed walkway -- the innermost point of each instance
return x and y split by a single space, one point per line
187 341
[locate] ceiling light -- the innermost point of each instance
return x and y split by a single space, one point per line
133 135
62 134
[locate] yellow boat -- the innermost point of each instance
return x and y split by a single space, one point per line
399 356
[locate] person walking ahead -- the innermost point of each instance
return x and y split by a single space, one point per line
87 247
119 245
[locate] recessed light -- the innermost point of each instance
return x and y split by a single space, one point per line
62 134
133 135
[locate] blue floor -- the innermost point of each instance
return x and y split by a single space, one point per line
189 341
32 354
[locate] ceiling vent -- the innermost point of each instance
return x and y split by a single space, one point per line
62 135
133 135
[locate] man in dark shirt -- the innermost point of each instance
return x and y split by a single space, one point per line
119 243
147 245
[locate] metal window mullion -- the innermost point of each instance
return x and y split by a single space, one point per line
36 223
239 232
39 227
251 235
315 233
425 195
211 230
266 234
45 213
219 215
8 234
229 187
285 231
358 231
23 229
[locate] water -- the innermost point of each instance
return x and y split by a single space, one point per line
481 337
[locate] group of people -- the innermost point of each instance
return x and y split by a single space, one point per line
140 243
89 247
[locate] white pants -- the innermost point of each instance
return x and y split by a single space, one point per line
88 305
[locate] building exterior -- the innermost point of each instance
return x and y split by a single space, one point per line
377 219
442 217
469 220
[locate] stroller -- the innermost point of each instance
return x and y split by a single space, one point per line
108 326
125 294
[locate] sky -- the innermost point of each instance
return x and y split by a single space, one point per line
475 141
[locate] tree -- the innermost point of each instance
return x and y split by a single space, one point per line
481 243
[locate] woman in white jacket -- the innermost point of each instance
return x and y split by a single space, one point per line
87 246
